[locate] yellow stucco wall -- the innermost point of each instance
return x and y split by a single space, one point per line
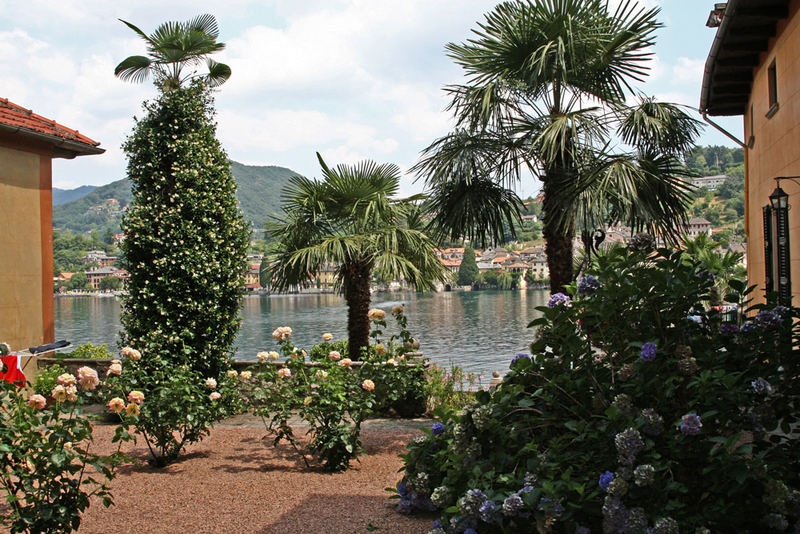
776 151
20 249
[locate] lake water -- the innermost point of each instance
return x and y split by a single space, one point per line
480 331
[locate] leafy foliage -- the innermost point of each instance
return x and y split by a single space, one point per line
47 470
468 271
639 411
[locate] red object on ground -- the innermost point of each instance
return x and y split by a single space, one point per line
13 369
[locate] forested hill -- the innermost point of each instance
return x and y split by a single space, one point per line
101 209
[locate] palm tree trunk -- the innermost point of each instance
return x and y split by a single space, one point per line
356 294
558 242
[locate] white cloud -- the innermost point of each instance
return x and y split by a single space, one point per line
689 70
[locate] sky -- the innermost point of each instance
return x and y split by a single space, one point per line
351 79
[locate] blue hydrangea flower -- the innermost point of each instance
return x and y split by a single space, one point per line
748 327
691 424
487 511
437 429
401 489
588 285
761 386
437 524
768 319
648 353
605 480
781 310
728 328
512 505
519 357
470 531
559 299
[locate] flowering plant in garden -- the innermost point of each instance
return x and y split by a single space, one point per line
333 399
44 455
174 405
638 412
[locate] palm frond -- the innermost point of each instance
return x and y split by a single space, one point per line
651 126
134 68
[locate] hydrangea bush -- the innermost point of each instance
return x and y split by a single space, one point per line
47 469
639 412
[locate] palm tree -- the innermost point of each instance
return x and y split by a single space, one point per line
352 220
548 82
175 48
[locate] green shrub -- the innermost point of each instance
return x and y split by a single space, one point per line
45 452
320 351
449 391
332 397
89 351
639 411
47 378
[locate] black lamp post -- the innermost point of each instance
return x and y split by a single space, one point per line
779 199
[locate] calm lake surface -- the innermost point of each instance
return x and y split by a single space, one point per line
480 331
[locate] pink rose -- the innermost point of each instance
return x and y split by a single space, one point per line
115 369
66 380
215 395
37 402
368 384
116 405
334 355
136 397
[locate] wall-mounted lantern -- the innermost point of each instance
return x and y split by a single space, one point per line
776 243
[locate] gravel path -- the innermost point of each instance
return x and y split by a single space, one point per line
235 481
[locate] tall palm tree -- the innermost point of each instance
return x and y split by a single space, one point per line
175 50
547 92
351 219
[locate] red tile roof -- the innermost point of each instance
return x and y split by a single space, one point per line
26 121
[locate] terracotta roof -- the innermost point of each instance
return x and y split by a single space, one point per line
25 122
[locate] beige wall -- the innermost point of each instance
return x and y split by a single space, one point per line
22 295
776 151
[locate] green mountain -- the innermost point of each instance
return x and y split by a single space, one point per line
258 194
62 196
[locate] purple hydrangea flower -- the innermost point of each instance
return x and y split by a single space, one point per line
512 505
747 327
438 524
579 529
628 442
728 328
549 504
487 511
781 310
691 424
768 319
615 515
588 285
559 299
401 489
437 429
519 357
404 506
648 353
470 531
761 386
605 479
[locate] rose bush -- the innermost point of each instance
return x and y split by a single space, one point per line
175 404
331 396
45 452
638 411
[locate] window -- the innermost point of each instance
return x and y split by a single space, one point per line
772 80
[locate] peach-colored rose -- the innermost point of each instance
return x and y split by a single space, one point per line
232 373
67 380
136 397
401 358
334 355
211 383
87 378
37 402
131 353
327 336
72 393
321 375
284 372
274 355
380 350
282 333
132 409
397 310
306 401
59 393
391 361
116 405
116 361
246 375
345 362
215 395
368 384
376 314
262 356
114 369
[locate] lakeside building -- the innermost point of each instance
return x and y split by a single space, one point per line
28 145
753 71
709 182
